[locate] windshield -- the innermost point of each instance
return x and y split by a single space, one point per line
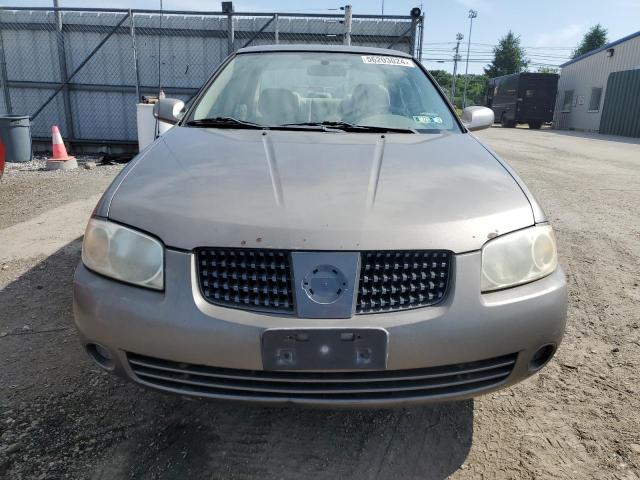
288 88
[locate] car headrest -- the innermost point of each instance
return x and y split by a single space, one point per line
366 99
372 94
278 105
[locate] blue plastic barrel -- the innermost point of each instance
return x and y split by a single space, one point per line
15 136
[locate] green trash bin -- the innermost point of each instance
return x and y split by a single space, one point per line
15 136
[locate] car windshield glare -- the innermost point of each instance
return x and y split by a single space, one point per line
275 89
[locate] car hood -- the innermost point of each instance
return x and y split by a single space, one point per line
319 191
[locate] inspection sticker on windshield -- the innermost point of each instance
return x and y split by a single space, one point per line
380 60
430 118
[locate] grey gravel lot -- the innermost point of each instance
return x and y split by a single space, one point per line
61 417
27 190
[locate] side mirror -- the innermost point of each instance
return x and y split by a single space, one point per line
477 118
168 110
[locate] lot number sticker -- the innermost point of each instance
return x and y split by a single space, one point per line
394 61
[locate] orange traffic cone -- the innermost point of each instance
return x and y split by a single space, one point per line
61 160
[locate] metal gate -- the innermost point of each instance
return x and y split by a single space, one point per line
621 109
85 69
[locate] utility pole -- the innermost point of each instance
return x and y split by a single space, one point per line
347 25
456 58
472 14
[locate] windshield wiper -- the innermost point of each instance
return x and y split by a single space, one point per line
230 122
349 127
224 122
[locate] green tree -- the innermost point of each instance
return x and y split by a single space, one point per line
443 78
475 88
596 37
508 57
547 70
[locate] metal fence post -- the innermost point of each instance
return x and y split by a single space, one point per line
132 31
5 80
347 25
414 36
62 62
230 34
420 36
276 30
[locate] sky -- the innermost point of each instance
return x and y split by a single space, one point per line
549 29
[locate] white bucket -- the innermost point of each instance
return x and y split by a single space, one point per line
147 125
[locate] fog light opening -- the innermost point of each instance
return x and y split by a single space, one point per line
101 355
541 357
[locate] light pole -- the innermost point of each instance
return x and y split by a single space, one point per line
472 14
456 57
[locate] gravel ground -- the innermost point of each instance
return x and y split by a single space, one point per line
26 189
61 417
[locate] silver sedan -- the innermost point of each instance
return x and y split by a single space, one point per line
320 228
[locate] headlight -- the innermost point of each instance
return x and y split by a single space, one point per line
518 258
124 254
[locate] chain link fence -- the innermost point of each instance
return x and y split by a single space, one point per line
85 69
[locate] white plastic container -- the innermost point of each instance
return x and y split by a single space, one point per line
147 125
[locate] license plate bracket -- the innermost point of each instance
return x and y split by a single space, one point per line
324 349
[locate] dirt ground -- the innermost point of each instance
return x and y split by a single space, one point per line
61 417
27 191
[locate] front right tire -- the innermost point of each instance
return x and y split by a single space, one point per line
505 122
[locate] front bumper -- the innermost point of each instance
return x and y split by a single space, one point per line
213 351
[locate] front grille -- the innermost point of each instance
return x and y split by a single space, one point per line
393 280
422 383
246 278
253 279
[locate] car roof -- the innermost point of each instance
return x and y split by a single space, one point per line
323 48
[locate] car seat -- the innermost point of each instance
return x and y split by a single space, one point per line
366 100
278 106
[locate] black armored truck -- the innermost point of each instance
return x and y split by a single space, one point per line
522 98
